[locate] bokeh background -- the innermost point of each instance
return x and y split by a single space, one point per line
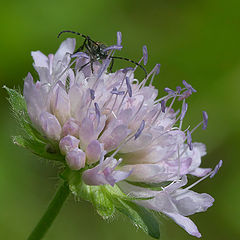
193 40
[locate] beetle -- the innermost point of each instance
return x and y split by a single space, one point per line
99 51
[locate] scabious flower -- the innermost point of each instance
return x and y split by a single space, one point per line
116 136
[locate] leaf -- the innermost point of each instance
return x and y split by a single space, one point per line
31 138
19 109
39 148
140 216
117 192
100 200
97 195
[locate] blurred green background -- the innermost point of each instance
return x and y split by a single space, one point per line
193 40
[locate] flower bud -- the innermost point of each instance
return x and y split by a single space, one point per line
70 127
68 143
76 159
50 126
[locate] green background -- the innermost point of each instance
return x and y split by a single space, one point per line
193 40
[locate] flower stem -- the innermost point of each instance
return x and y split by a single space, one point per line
52 211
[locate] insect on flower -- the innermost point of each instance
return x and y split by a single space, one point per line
99 51
118 145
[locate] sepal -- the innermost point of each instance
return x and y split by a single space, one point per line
39 148
106 199
30 139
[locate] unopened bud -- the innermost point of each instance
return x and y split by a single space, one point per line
68 143
76 159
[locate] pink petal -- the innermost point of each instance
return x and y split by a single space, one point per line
50 126
76 159
186 223
68 143
93 151
60 105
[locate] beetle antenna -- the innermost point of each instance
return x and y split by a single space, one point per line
129 60
77 33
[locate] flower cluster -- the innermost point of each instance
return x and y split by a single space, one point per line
113 130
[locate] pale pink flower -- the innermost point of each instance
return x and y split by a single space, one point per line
98 118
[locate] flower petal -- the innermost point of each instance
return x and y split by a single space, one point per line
186 223
50 126
60 105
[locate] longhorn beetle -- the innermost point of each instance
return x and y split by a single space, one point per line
97 51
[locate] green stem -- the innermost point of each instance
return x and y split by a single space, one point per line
51 213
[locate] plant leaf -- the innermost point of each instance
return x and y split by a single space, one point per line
97 195
39 148
116 191
100 200
31 138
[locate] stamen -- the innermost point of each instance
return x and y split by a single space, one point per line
170 106
97 110
92 94
119 38
65 70
156 72
163 106
138 110
198 125
102 157
145 55
119 107
104 67
216 169
113 47
188 86
211 174
130 137
205 120
79 55
184 110
115 91
178 89
110 98
189 140
126 70
140 129
179 162
129 88
169 91
185 95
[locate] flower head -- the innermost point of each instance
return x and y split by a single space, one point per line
112 129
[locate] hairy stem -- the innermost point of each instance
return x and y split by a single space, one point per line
52 211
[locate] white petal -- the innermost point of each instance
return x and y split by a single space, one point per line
200 172
76 159
36 100
186 223
66 47
68 143
40 60
146 173
60 105
86 132
189 202
50 126
93 151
